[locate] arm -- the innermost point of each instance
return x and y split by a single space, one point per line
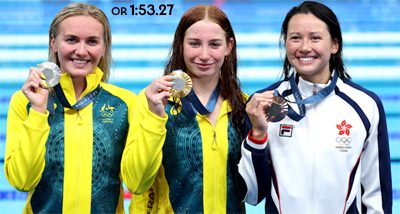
253 177
25 144
375 164
142 155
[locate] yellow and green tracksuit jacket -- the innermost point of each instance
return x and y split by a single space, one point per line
70 163
177 169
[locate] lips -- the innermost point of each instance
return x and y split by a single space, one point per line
204 65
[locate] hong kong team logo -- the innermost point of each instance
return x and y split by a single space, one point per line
286 130
344 138
344 128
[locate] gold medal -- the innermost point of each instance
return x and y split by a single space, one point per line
52 73
182 84
277 111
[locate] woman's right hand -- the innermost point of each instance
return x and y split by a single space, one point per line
33 91
157 94
254 109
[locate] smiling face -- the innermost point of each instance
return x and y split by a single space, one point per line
309 47
79 45
204 49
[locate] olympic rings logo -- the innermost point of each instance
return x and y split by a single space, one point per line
343 140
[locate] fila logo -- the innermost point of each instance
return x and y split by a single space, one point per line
286 130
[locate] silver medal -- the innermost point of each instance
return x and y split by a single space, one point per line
52 73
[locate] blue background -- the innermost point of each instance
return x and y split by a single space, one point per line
371 33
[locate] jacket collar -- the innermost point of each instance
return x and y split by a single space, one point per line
92 80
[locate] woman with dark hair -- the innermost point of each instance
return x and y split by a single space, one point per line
65 147
188 157
330 154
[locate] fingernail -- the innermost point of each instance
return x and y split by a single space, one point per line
43 76
171 83
37 90
172 76
44 83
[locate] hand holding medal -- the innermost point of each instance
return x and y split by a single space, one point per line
182 84
51 74
177 84
277 111
44 76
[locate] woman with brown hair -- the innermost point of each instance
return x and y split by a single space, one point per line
188 155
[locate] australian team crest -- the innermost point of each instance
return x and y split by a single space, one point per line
107 112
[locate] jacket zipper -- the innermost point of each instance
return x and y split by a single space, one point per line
79 122
214 147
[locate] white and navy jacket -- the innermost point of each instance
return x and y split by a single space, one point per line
335 160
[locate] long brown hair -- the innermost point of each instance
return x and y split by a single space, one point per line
80 9
230 87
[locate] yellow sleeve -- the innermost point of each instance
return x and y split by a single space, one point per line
25 144
142 155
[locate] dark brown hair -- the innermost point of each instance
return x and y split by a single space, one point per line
329 18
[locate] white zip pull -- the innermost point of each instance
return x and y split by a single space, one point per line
214 143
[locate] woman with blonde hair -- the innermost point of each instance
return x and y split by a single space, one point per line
65 147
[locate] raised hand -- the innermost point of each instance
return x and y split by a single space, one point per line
33 91
157 94
254 109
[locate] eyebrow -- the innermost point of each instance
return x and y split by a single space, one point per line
90 37
212 40
297 33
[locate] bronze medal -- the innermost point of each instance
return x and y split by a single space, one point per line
277 111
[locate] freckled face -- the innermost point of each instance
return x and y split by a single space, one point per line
205 48
79 45
309 46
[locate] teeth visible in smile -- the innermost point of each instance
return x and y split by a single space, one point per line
80 61
306 59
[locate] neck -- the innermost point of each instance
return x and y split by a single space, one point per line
79 86
317 79
204 87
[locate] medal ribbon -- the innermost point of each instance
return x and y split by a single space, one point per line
191 103
86 100
312 99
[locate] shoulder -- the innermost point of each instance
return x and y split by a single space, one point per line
359 94
245 96
124 94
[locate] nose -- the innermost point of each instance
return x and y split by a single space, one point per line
305 46
205 53
81 49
